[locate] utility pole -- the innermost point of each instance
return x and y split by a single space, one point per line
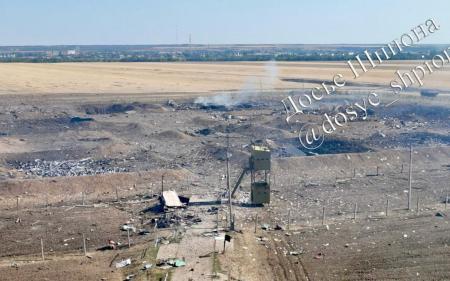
162 184
410 177
228 183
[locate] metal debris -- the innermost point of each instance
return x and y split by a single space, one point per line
123 263
81 167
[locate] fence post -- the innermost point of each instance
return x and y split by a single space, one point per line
355 210
410 177
417 206
42 249
17 206
128 235
84 245
323 215
214 259
387 207
289 220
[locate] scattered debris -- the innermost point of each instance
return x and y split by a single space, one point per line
262 239
206 131
143 232
177 263
213 210
81 167
319 256
279 227
296 253
147 266
171 219
123 263
265 226
127 227
166 264
440 214
172 103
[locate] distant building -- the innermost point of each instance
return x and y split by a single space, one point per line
7 55
73 52
53 53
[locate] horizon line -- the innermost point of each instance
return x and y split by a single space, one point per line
219 44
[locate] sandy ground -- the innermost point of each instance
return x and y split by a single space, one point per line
69 267
126 78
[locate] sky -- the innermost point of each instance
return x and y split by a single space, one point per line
109 22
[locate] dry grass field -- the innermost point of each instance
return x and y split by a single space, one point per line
132 78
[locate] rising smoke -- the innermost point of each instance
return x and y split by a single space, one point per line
251 88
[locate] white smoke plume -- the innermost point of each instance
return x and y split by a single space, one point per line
248 92
271 76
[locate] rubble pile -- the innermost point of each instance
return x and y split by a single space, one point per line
172 219
81 167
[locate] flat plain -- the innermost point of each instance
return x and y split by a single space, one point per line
193 78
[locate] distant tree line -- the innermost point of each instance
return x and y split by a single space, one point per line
177 54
